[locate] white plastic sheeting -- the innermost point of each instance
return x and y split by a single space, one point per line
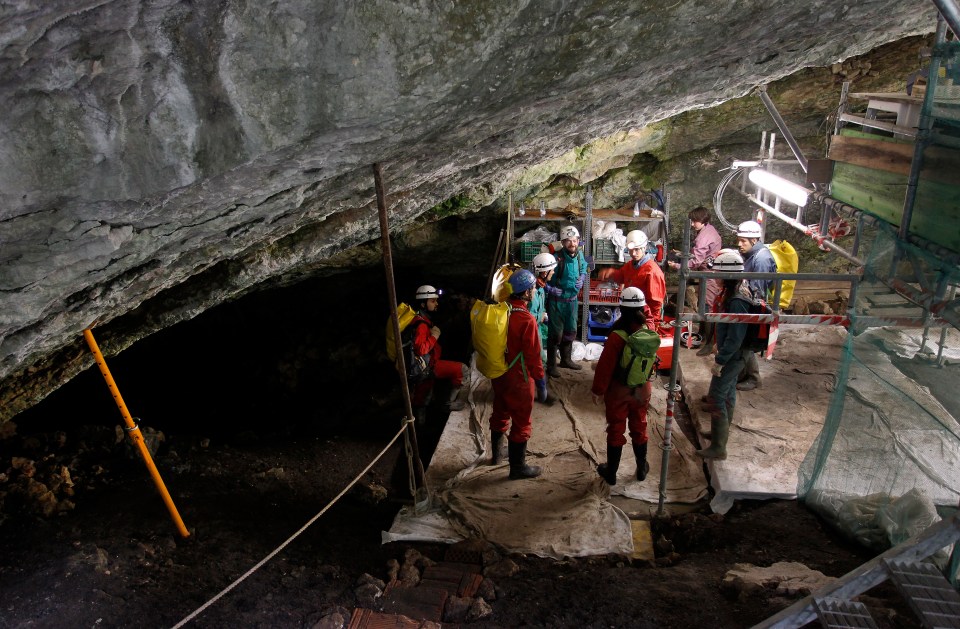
566 511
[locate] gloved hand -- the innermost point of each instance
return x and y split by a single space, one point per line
435 332
543 317
555 291
606 273
541 389
579 283
716 369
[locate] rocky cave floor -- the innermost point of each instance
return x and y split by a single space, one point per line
94 546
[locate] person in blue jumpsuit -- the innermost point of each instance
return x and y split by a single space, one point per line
562 291
543 269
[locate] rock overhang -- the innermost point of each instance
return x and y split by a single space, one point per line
163 157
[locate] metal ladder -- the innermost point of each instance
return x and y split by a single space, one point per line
931 597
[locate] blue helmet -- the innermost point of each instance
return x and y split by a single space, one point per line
521 281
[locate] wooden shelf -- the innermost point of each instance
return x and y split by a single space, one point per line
624 215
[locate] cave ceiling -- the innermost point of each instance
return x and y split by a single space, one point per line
160 157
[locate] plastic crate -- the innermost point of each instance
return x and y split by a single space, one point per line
529 250
604 294
604 251
598 332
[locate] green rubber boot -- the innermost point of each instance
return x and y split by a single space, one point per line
552 370
720 430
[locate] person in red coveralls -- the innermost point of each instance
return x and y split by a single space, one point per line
426 341
626 407
643 272
513 392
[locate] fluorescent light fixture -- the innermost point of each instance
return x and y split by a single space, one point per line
786 190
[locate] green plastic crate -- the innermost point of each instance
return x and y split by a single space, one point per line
604 250
529 250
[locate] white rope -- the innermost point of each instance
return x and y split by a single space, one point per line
718 198
213 600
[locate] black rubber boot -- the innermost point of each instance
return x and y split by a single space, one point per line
455 403
608 470
566 350
643 468
552 370
496 448
420 413
517 452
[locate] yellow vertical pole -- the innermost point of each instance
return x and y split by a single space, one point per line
133 431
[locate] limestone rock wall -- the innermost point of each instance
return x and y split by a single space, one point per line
158 157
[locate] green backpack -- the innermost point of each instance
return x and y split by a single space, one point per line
639 357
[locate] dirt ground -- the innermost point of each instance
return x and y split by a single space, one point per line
115 559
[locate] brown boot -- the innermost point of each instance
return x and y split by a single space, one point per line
708 347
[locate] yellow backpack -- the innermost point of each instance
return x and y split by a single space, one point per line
405 314
787 262
488 325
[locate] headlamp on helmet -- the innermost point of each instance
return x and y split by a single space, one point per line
726 260
749 229
632 297
428 292
544 262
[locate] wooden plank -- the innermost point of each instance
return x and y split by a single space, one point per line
642 540
939 163
936 211
891 157
878 124
896 97
416 602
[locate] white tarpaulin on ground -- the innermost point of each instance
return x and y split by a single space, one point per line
564 512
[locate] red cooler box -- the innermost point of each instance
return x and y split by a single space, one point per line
665 353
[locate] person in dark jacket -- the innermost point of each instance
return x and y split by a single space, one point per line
736 298
756 259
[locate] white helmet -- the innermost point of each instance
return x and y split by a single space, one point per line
569 232
637 240
428 292
727 260
749 229
543 262
632 297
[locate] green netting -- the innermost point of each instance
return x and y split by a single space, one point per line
887 462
